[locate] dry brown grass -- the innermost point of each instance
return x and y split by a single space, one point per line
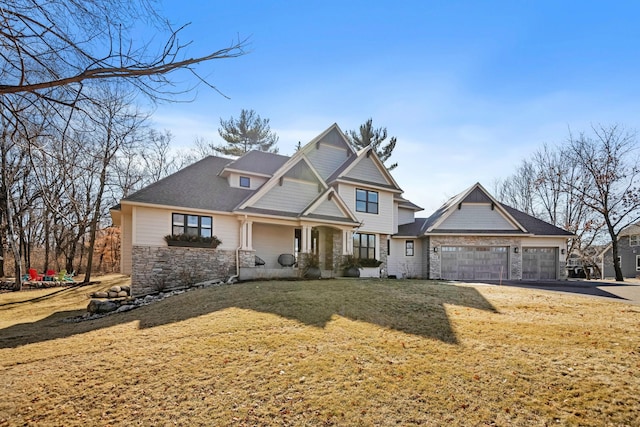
337 352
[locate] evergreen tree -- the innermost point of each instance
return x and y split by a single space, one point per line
367 135
249 132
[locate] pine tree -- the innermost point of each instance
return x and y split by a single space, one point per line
367 135
249 132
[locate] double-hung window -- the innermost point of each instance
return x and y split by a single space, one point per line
634 240
408 247
193 225
366 201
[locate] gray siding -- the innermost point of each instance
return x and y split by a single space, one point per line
405 216
291 196
328 208
367 170
476 217
628 256
327 158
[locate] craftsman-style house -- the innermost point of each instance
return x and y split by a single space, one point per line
329 200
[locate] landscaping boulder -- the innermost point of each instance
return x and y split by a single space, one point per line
115 289
98 307
100 294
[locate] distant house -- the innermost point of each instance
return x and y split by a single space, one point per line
329 200
628 251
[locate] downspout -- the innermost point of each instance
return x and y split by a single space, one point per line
234 278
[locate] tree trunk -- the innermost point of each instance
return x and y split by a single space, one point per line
616 261
9 215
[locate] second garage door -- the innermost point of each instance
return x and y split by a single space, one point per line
475 262
539 263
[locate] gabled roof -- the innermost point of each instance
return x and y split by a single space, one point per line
297 166
333 135
524 224
204 185
198 186
341 174
630 229
474 194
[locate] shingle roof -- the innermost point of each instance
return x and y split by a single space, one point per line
197 186
258 162
414 229
534 225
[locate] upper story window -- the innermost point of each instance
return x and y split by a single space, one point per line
408 247
245 181
194 225
634 240
366 201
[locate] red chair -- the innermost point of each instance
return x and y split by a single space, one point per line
34 276
50 276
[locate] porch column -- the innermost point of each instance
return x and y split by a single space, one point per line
246 235
347 243
306 239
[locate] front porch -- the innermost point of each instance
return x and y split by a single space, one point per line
264 247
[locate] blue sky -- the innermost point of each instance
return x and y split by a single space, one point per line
469 88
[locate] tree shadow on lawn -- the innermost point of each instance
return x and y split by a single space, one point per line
413 307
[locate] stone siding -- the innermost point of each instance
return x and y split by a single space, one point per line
383 249
337 251
158 268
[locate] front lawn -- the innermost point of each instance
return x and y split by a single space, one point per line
328 352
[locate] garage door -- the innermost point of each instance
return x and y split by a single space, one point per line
539 263
475 262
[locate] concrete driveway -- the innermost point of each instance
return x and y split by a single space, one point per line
627 291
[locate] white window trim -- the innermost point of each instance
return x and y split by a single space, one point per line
406 248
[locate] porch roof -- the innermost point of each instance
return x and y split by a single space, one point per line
295 215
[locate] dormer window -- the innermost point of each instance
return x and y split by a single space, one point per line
245 182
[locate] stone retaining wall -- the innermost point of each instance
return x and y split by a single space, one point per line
157 268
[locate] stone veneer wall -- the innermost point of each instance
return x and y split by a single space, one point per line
383 251
162 267
337 251
515 260
426 258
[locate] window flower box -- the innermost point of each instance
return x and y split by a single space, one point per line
192 241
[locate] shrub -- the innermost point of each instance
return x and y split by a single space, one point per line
213 241
369 262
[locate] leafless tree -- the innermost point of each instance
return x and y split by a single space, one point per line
54 56
539 187
609 179
518 190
